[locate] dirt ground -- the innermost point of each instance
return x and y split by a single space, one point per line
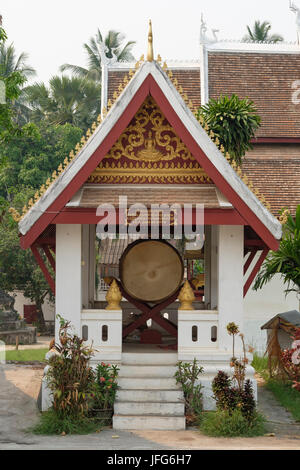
19 388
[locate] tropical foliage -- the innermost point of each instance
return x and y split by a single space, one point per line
10 62
114 48
236 413
286 260
234 121
11 80
28 160
261 33
103 391
70 375
188 375
74 100
18 268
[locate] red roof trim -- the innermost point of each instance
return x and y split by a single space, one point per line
218 179
80 178
149 86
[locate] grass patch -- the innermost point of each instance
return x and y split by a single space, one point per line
222 424
50 423
286 395
260 364
26 355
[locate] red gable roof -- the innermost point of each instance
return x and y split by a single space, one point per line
150 80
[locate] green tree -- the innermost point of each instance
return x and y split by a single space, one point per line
67 100
114 47
285 261
234 121
11 82
10 62
27 160
260 33
18 268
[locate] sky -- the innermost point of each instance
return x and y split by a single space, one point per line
53 32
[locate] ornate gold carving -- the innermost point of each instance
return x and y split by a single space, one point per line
150 153
113 297
186 297
137 134
148 173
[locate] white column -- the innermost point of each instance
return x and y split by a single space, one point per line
230 282
85 248
214 267
68 274
207 266
92 264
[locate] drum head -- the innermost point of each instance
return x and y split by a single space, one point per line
151 270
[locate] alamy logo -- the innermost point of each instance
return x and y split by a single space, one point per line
2 92
155 221
296 93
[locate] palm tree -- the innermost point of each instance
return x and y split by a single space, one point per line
285 261
9 62
74 100
113 42
260 33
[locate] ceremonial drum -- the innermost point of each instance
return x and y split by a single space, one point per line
151 270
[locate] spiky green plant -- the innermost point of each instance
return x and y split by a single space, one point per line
234 121
260 33
286 260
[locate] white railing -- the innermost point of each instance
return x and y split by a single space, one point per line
197 332
103 329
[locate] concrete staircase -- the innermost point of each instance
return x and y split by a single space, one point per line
149 397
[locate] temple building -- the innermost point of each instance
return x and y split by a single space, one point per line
167 300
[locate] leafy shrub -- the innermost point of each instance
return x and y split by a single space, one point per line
234 122
186 375
69 376
104 388
232 424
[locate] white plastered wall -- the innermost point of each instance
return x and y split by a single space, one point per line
69 274
262 305
230 281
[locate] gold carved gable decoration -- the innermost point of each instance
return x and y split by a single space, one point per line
149 151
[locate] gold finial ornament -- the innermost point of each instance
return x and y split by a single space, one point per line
113 297
150 43
186 297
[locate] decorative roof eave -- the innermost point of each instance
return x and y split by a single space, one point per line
162 85
253 47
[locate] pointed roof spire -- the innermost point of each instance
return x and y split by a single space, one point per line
150 43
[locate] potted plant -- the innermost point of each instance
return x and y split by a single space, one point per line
103 392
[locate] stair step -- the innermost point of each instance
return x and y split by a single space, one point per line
149 408
131 422
150 395
147 370
165 358
148 383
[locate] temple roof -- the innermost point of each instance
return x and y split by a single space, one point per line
265 73
275 169
266 79
150 79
